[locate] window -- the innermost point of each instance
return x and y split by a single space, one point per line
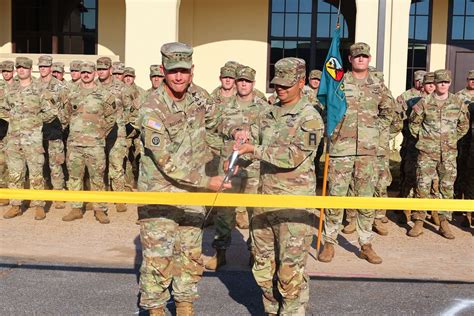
303 28
418 37
462 20
54 26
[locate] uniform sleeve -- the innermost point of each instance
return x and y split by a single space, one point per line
463 122
110 112
4 106
298 148
396 125
49 110
386 108
64 113
213 125
416 118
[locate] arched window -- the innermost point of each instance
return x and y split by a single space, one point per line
54 26
419 37
303 28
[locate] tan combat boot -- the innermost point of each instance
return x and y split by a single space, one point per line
351 227
59 205
445 229
327 254
121 207
40 214
369 254
435 218
13 211
379 227
184 309
4 202
89 206
417 230
407 215
102 217
242 220
158 311
217 261
75 213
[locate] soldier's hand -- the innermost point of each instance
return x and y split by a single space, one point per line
241 136
226 167
244 148
215 183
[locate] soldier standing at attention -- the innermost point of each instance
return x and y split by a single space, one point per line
90 113
75 71
26 109
173 156
116 145
156 77
118 69
58 71
353 150
284 139
437 122
227 88
8 72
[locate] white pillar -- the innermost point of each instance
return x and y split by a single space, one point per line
149 24
367 25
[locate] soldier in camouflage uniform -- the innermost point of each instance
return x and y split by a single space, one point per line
284 139
90 113
116 144
235 65
75 72
133 142
173 155
156 77
353 150
26 109
8 72
52 132
118 69
226 90
241 111
58 71
437 122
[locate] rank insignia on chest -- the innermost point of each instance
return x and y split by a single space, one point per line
155 139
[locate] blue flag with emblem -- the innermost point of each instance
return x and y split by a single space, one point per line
331 89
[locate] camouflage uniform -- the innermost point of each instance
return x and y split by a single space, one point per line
26 109
287 138
74 65
173 156
4 87
90 115
53 136
354 145
437 125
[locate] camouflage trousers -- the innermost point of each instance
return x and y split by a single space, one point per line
19 158
358 172
116 159
56 161
3 166
469 190
408 171
384 179
78 158
171 241
281 240
130 163
224 219
435 179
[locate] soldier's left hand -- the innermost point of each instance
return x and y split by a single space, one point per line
244 148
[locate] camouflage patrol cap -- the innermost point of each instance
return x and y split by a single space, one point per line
87 66
246 73
359 48
7 65
315 74
129 71
429 78
227 72
442 75
104 63
470 75
288 71
118 68
23 62
419 75
75 65
176 55
155 70
232 64
58 66
45 61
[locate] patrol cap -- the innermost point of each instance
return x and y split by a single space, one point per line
155 70
315 74
419 75
87 66
288 70
58 66
176 55
117 68
7 65
24 62
104 63
45 61
470 75
129 71
442 75
227 72
429 78
359 48
232 64
245 72
75 65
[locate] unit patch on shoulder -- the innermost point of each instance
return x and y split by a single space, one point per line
155 139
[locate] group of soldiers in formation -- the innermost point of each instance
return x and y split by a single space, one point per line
176 137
